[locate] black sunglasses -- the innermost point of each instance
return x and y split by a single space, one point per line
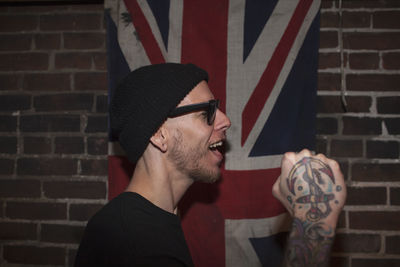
210 106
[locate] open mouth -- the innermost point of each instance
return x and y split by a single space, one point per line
219 146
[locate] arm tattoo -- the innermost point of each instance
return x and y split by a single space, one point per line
312 187
309 244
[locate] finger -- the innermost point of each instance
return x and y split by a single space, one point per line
304 153
275 188
289 158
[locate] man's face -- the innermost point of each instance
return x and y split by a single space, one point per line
196 146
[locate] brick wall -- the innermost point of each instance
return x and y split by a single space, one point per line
53 128
365 139
53 124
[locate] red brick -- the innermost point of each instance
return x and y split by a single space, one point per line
34 255
336 261
370 262
96 5
20 188
393 244
388 105
363 61
333 104
328 60
327 4
83 212
391 61
8 144
84 40
374 172
47 82
36 211
329 82
50 123
10 81
327 126
341 223
57 233
346 148
90 81
70 22
366 196
71 256
1 209
18 231
97 124
356 19
395 196
6 166
329 104
24 61
75 189
357 243
8 123
50 8
37 145
47 41
328 39
383 149
16 23
63 102
329 19
392 125
362 126
73 61
69 145
371 40
97 145
47 166
321 145
100 61
386 20
94 167
358 103
375 220
373 82
15 102
15 42
370 4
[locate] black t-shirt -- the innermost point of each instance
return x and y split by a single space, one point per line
132 231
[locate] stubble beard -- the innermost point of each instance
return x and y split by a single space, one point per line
189 160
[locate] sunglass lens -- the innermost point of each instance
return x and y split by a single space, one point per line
212 111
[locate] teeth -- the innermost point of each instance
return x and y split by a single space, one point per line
217 144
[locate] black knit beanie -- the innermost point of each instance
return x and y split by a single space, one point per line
142 101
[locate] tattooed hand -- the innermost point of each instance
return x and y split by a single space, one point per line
312 189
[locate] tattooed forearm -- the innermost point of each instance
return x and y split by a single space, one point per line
311 186
309 244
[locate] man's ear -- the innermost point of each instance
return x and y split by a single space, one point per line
159 139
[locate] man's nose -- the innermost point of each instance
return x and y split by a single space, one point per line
222 122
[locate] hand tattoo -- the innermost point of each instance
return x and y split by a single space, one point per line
312 188
307 181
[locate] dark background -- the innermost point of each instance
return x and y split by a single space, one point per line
53 127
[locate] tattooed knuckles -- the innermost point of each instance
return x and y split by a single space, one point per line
311 187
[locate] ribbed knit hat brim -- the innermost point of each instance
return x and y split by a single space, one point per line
142 101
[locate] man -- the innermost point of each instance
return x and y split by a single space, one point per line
169 124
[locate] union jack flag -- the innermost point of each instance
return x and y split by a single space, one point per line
261 56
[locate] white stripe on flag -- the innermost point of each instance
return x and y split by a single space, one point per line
238 250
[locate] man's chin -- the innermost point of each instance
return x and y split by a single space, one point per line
206 177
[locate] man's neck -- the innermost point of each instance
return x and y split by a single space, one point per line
158 184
